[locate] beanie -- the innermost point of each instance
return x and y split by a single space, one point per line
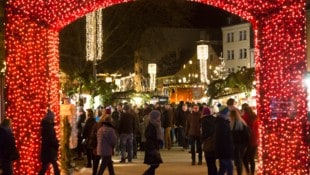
206 111
108 111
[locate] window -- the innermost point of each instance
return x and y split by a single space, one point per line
242 53
230 55
242 35
245 53
230 37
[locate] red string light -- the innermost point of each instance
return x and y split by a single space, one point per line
279 26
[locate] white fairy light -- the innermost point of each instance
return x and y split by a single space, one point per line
94 41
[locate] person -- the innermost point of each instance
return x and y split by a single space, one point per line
8 150
126 129
136 133
93 142
146 119
181 122
240 138
223 141
253 123
167 124
79 126
231 105
154 138
106 140
116 115
193 132
207 137
67 110
90 122
49 145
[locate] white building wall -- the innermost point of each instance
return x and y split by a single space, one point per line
234 44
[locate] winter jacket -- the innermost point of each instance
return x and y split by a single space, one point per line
193 127
207 126
223 139
126 124
253 126
8 150
167 118
90 122
152 155
49 146
106 140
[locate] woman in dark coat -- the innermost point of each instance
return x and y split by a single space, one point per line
49 147
153 139
8 150
207 137
90 122
224 142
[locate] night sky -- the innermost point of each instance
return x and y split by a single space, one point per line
124 25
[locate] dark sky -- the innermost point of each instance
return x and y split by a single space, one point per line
124 25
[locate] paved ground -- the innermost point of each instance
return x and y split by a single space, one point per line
176 162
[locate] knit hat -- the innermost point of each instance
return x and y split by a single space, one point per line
108 110
206 111
154 114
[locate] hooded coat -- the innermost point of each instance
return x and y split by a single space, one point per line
106 139
49 146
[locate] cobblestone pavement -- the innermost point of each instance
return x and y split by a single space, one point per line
176 162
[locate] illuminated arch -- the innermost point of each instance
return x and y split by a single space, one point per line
32 57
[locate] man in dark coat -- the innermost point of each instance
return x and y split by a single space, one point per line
126 129
181 122
49 146
193 132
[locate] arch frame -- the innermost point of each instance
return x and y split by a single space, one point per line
32 79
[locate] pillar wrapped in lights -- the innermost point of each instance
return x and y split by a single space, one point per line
202 56
31 42
152 70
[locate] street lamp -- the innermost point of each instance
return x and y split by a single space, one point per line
152 70
202 56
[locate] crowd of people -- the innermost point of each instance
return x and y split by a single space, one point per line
220 132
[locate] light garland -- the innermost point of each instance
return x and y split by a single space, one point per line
94 40
279 27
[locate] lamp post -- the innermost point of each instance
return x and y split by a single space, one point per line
202 56
152 71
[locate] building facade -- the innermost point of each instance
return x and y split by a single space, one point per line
238 49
